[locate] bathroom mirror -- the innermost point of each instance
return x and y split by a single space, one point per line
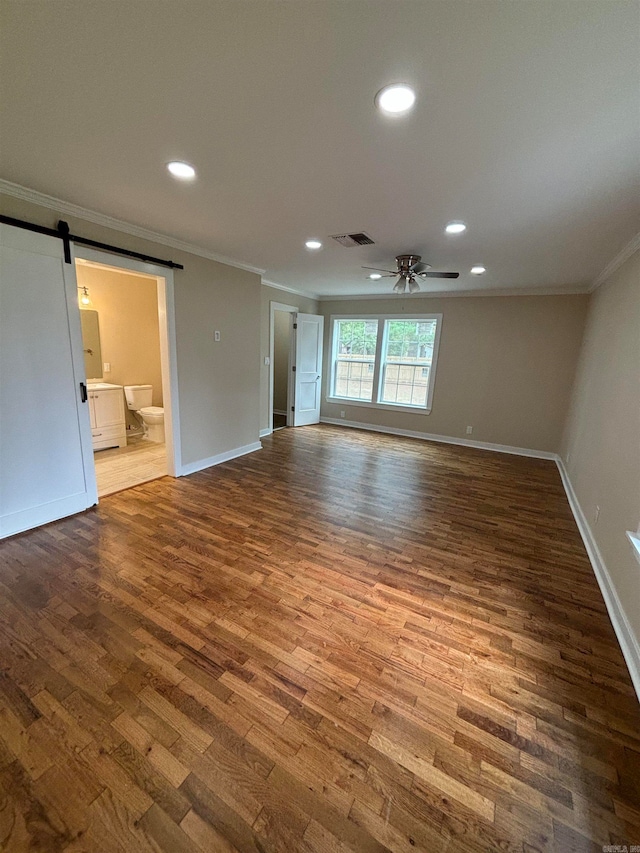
91 344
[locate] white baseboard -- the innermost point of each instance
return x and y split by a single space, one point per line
279 412
192 467
444 439
628 641
265 431
36 516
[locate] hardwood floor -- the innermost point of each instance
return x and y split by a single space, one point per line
346 641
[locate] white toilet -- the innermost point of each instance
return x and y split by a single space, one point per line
139 401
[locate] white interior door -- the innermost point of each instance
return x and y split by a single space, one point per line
307 330
46 460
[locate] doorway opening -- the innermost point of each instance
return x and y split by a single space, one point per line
281 332
125 339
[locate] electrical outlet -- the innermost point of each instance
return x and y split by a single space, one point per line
106 367
596 515
342 413
469 430
216 336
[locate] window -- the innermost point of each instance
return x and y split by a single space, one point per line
385 361
407 353
354 363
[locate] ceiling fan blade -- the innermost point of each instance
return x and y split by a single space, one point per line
433 274
420 267
377 269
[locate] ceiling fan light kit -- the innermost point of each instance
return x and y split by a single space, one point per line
410 269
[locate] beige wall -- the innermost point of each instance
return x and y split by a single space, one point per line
505 367
127 307
601 446
281 348
219 382
269 295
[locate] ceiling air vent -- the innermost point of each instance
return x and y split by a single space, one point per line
357 239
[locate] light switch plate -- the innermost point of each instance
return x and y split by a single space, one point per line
216 336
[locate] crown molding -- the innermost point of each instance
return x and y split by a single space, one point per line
277 286
448 294
66 207
624 254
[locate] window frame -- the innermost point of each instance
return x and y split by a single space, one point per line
381 345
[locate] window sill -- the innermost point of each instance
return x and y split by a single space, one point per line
387 407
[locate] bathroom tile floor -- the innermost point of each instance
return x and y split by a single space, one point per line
123 467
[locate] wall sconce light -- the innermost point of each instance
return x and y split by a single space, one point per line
84 299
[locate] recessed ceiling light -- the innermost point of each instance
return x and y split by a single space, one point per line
455 228
478 269
313 244
181 170
375 276
396 99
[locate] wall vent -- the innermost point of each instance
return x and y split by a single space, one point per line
359 238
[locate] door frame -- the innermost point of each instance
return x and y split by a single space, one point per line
168 348
288 309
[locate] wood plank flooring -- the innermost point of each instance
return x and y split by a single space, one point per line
344 642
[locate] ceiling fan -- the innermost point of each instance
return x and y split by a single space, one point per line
410 271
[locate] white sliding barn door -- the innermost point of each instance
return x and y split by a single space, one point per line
308 329
46 459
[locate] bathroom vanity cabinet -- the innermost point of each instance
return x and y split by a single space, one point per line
106 411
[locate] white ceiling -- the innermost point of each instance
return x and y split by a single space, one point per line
527 127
